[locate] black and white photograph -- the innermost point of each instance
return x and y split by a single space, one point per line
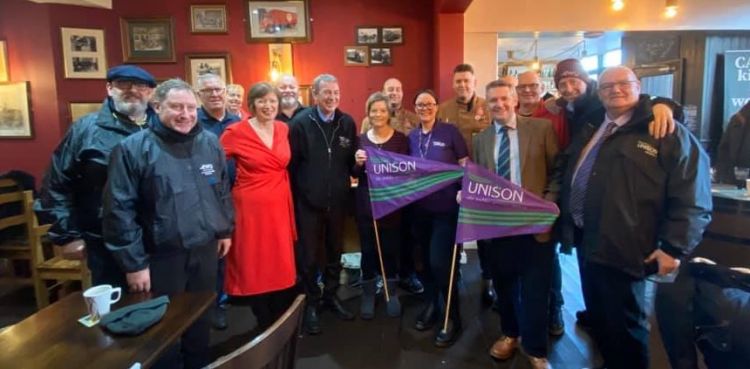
380 56
83 53
197 64
208 18
356 55
367 35
393 35
148 40
15 117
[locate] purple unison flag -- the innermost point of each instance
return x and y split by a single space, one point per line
397 180
492 206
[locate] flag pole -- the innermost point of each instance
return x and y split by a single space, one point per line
380 258
450 289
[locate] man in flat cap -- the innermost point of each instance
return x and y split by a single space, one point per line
71 195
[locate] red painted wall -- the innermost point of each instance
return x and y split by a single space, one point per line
36 55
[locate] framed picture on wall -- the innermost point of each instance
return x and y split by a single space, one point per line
305 95
367 36
392 35
15 112
208 18
380 56
197 64
83 53
280 58
3 61
356 55
79 109
147 40
278 21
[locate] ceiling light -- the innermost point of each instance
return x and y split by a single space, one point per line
617 5
670 9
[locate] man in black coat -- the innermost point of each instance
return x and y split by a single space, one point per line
71 194
323 141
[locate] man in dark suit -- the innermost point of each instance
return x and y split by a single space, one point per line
523 151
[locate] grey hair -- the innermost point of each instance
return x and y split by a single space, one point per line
234 86
161 91
319 80
500 83
202 78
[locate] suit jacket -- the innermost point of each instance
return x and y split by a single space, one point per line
537 148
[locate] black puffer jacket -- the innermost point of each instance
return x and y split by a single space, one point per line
71 194
643 194
322 158
167 192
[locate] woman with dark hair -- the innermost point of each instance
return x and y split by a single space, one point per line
435 218
381 136
260 266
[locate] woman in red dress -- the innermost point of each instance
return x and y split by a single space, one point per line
260 266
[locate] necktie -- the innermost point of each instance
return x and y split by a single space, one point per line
578 189
503 154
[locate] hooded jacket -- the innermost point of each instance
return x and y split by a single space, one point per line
71 194
643 194
322 158
167 193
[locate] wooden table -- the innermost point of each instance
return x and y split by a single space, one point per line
53 337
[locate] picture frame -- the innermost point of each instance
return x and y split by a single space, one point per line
15 111
280 59
392 35
277 21
84 55
356 56
79 109
4 73
209 18
217 63
381 56
147 40
305 95
366 35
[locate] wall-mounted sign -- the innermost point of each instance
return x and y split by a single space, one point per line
736 81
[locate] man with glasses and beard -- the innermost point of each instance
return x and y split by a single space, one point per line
71 195
289 104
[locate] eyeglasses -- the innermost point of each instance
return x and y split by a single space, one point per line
212 91
608 87
425 106
530 86
122 84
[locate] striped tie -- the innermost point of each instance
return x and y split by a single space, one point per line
581 180
503 154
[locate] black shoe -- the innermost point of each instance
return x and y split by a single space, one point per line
219 317
426 319
556 323
411 285
583 319
312 322
338 309
448 337
489 297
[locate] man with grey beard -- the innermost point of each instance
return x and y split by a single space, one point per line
71 194
289 105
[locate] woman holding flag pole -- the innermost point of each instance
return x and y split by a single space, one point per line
435 219
380 239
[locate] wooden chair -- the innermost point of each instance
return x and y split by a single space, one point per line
16 219
273 349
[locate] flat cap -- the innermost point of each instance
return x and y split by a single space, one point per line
130 72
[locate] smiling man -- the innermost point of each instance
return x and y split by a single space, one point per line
71 191
401 119
168 211
635 205
323 142
289 104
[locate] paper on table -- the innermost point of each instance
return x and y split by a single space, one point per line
88 322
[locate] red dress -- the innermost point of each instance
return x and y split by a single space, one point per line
262 255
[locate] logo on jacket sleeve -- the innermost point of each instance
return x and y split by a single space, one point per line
344 142
648 149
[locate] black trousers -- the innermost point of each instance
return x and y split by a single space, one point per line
619 317
104 268
190 271
436 234
267 307
484 260
580 255
320 233
522 269
390 238
407 248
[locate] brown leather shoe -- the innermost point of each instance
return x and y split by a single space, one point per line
504 348
539 363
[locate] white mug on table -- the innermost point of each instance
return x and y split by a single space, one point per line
99 300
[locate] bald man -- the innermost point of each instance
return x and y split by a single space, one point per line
402 120
635 205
